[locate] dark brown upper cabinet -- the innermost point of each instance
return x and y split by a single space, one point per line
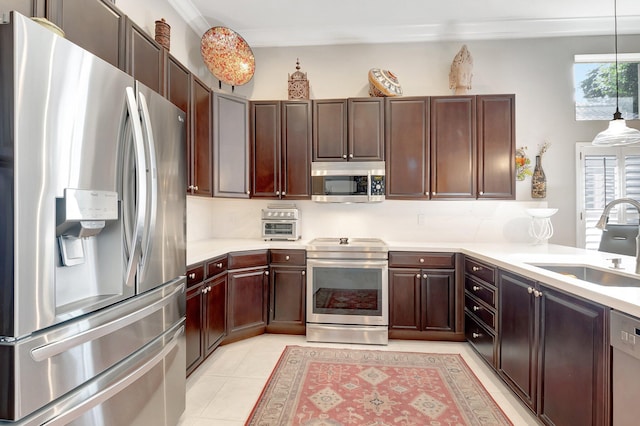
95 25
280 137
407 147
453 147
496 146
199 148
145 57
348 129
24 7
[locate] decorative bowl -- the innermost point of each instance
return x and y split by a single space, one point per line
542 212
383 83
49 25
228 56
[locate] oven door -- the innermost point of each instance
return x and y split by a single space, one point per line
280 230
354 292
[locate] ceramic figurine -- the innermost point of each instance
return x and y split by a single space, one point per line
461 72
383 83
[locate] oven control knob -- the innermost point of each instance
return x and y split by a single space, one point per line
378 186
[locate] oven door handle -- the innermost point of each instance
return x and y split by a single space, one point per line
341 262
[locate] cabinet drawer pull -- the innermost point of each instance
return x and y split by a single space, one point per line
417 275
421 260
266 272
277 192
304 272
476 335
537 293
344 155
424 276
219 265
476 288
476 308
287 257
476 268
284 193
529 290
192 275
195 187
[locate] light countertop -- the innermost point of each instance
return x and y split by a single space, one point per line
514 257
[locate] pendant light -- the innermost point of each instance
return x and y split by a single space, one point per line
617 133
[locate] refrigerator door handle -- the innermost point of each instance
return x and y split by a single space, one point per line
152 182
102 396
141 189
49 350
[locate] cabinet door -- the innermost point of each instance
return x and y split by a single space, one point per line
496 146
194 327
95 25
330 130
144 57
215 312
517 321
573 361
296 150
404 299
407 148
287 299
366 129
453 147
24 7
231 146
177 80
247 301
265 148
200 162
438 297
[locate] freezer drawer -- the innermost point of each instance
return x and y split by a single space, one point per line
47 365
147 388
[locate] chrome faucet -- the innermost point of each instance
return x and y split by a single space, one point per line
605 215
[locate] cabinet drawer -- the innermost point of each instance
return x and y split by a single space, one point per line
288 257
480 290
482 340
247 259
195 274
481 311
421 260
216 266
480 270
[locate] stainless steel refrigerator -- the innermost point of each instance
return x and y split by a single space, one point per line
92 239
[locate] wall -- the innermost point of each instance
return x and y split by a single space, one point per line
538 71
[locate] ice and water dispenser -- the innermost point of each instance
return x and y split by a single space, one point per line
89 245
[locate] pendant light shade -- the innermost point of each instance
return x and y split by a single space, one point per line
617 133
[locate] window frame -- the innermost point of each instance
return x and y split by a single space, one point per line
583 149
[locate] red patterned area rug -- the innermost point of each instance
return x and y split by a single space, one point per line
332 387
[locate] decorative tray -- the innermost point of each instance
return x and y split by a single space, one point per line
228 56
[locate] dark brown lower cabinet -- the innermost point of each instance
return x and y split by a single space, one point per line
248 294
287 297
424 303
554 352
205 319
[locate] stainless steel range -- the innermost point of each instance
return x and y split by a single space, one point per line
347 291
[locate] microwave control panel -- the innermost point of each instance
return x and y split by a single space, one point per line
377 185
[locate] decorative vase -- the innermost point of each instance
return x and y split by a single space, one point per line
163 33
538 180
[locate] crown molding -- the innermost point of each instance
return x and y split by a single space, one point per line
452 31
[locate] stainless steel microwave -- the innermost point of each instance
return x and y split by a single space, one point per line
348 182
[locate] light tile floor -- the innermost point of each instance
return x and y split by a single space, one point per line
224 389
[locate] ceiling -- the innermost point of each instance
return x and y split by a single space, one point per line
267 23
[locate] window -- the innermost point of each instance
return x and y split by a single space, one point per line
595 86
603 175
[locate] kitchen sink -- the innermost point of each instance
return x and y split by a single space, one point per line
590 274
